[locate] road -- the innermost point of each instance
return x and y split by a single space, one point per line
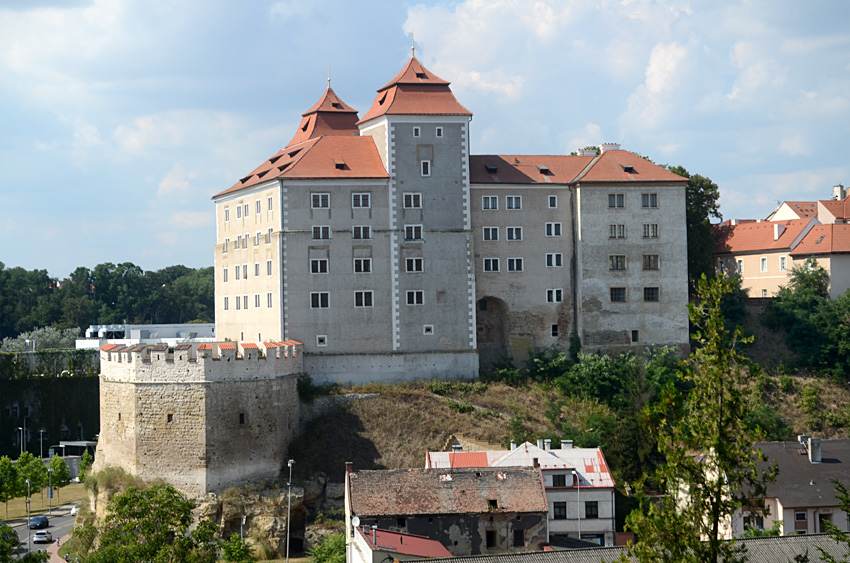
61 524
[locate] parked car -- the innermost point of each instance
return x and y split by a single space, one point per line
39 522
75 509
42 536
10 533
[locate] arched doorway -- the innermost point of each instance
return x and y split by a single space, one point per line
492 328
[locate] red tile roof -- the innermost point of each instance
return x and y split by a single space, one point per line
204 347
526 169
270 345
759 236
825 239
840 209
108 347
803 209
407 544
328 116
625 166
447 491
227 346
249 346
415 91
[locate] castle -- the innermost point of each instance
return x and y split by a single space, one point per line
394 254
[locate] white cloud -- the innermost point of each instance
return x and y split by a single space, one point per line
192 219
178 128
590 135
793 145
176 181
756 71
289 9
652 102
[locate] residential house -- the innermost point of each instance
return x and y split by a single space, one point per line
829 245
470 511
372 545
578 484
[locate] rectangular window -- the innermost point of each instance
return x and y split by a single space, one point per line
721 266
271 204
617 262
244 271
559 480
764 293
361 232
413 232
438 132
238 271
650 230
650 261
245 302
553 201
519 538
226 244
245 210
740 265
651 294
491 233
616 200
321 232
319 266
649 200
245 240
554 295
256 300
415 297
226 303
559 511
238 241
553 229
554 331
635 336
319 300
490 202
269 300
239 211
413 264
513 202
362 298
514 233
618 295
320 201
425 167
238 303
361 200
413 200
800 516
616 231
259 207
257 239
256 269
362 265
491 264
591 509
226 215
490 538
269 236
224 275
763 264
514 264
783 263
268 267
417 132
554 260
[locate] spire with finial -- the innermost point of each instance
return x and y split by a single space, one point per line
412 46
329 76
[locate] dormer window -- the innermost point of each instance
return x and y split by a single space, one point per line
339 164
543 170
306 124
491 169
336 105
628 169
421 76
383 99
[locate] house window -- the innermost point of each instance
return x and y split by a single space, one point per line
241 418
490 202
618 295
559 511
721 266
226 303
413 232
245 272
362 265
361 200
428 330
245 241
238 303
256 300
553 201
417 132
239 211
800 516
763 264
238 241
170 418
413 264
491 233
259 207
649 200
514 233
616 200
591 509
271 205
268 267
238 272
415 297
519 538
320 201
617 262
413 200
269 236
425 167
362 298
269 300
319 266
554 295
650 230
245 210
635 336
226 244
224 275
319 300
554 331
616 231
554 260
321 232
559 480
438 132
244 303
651 294
514 264
490 538
513 202
361 232
226 215
650 261
783 263
553 229
491 264
740 266
256 269
321 340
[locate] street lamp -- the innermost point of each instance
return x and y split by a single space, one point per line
576 479
21 430
41 443
49 491
28 515
290 463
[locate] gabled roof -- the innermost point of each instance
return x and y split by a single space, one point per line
802 209
440 491
759 236
839 208
801 483
406 544
625 166
525 169
415 91
825 239
328 116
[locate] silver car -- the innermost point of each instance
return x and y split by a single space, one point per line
42 536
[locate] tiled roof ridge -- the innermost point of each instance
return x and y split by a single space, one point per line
329 98
410 74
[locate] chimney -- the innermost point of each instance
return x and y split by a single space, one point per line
586 152
608 147
513 444
814 450
547 444
838 192
457 448
349 467
375 535
778 229
566 444
733 222
540 443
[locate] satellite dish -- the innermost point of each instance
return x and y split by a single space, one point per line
355 521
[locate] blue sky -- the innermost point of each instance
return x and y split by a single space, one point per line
120 118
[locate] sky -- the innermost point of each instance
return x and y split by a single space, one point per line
119 119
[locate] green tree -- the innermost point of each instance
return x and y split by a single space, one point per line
61 473
153 525
702 491
841 537
85 463
330 550
236 550
701 205
32 468
10 482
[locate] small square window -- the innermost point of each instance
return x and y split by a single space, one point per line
559 479
513 202
559 510
553 201
425 167
617 262
319 266
413 200
363 299
616 200
650 261
649 200
554 260
490 202
361 200
514 264
438 132
428 330
651 294
491 233
618 295
553 229
362 265
321 340
514 233
616 231
319 300
320 201
417 132
415 297
491 264
413 265
413 232
554 295
650 230
591 509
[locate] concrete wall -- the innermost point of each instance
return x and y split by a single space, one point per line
759 283
363 368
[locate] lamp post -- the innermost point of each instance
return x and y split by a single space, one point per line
576 478
50 491
290 463
28 515
41 443
21 430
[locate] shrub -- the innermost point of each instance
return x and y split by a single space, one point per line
330 550
786 383
459 406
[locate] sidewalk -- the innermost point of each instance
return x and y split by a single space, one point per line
53 548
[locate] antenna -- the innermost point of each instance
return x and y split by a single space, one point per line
329 75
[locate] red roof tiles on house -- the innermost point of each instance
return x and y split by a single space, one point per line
526 169
249 346
759 236
825 239
204 347
840 209
625 166
108 347
227 346
803 209
328 116
407 544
